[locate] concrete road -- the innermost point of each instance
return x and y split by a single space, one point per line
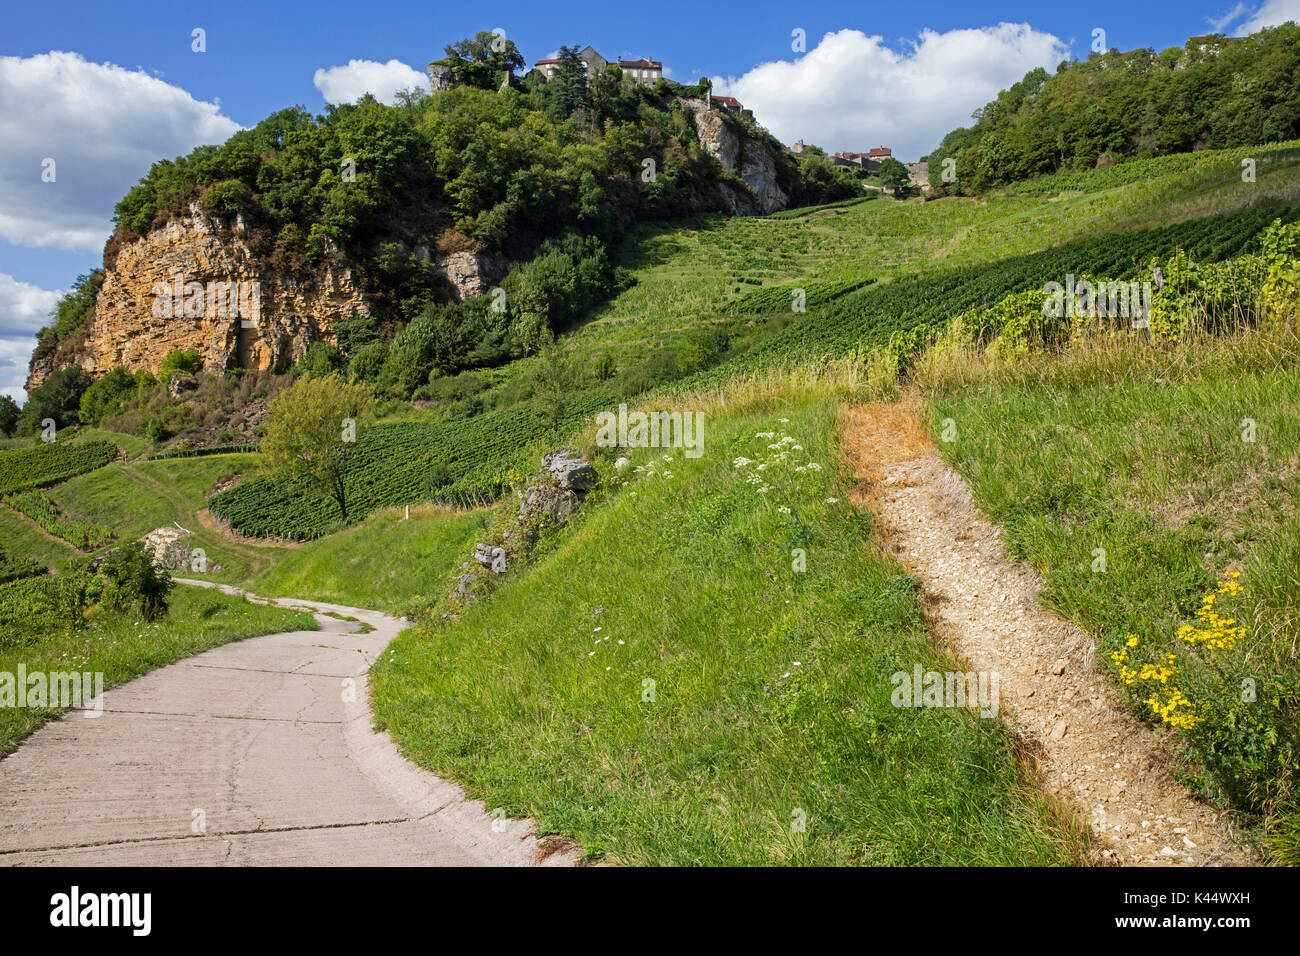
255 753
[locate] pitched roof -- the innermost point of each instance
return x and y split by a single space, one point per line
727 101
641 64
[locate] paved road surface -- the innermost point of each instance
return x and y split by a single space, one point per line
262 738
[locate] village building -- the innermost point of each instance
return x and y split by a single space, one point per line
870 160
594 62
647 72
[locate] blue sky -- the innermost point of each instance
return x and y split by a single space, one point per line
904 90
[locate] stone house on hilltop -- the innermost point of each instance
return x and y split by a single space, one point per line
594 62
645 71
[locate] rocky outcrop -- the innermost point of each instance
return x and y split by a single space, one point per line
167 548
441 77
724 138
467 273
548 501
197 283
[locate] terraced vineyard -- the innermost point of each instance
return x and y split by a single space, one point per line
870 316
407 463
23 469
82 535
781 298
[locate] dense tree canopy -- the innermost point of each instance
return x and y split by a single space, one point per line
1117 106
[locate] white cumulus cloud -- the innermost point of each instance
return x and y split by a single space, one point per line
1272 13
1218 23
103 126
347 84
852 92
24 309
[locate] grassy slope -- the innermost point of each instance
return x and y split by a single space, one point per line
435 691
1145 458
123 647
772 687
386 562
134 498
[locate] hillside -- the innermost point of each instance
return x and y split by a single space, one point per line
913 473
1215 92
343 228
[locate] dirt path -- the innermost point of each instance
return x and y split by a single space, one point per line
1091 753
258 752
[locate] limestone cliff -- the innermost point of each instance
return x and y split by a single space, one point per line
197 283
744 152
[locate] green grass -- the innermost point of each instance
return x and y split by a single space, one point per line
386 562
137 497
772 687
21 538
1145 458
123 648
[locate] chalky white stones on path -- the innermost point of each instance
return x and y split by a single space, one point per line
258 752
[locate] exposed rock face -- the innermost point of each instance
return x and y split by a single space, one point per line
180 384
569 470
549 501
167 547
196 285
440 77
723 138
469 273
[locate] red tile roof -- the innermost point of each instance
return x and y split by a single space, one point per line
545 62
642 64
727 101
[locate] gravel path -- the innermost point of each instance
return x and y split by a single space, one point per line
1092 754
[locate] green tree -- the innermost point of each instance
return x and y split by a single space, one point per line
568 87
133 580
187 361
107 396
367 362
9 413
57 398
481 61
893 175
321 359
312 431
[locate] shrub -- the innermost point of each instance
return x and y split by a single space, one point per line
351 335
367 363
321 359
9 413
108 396
180 360
133 581
225 198
58 398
